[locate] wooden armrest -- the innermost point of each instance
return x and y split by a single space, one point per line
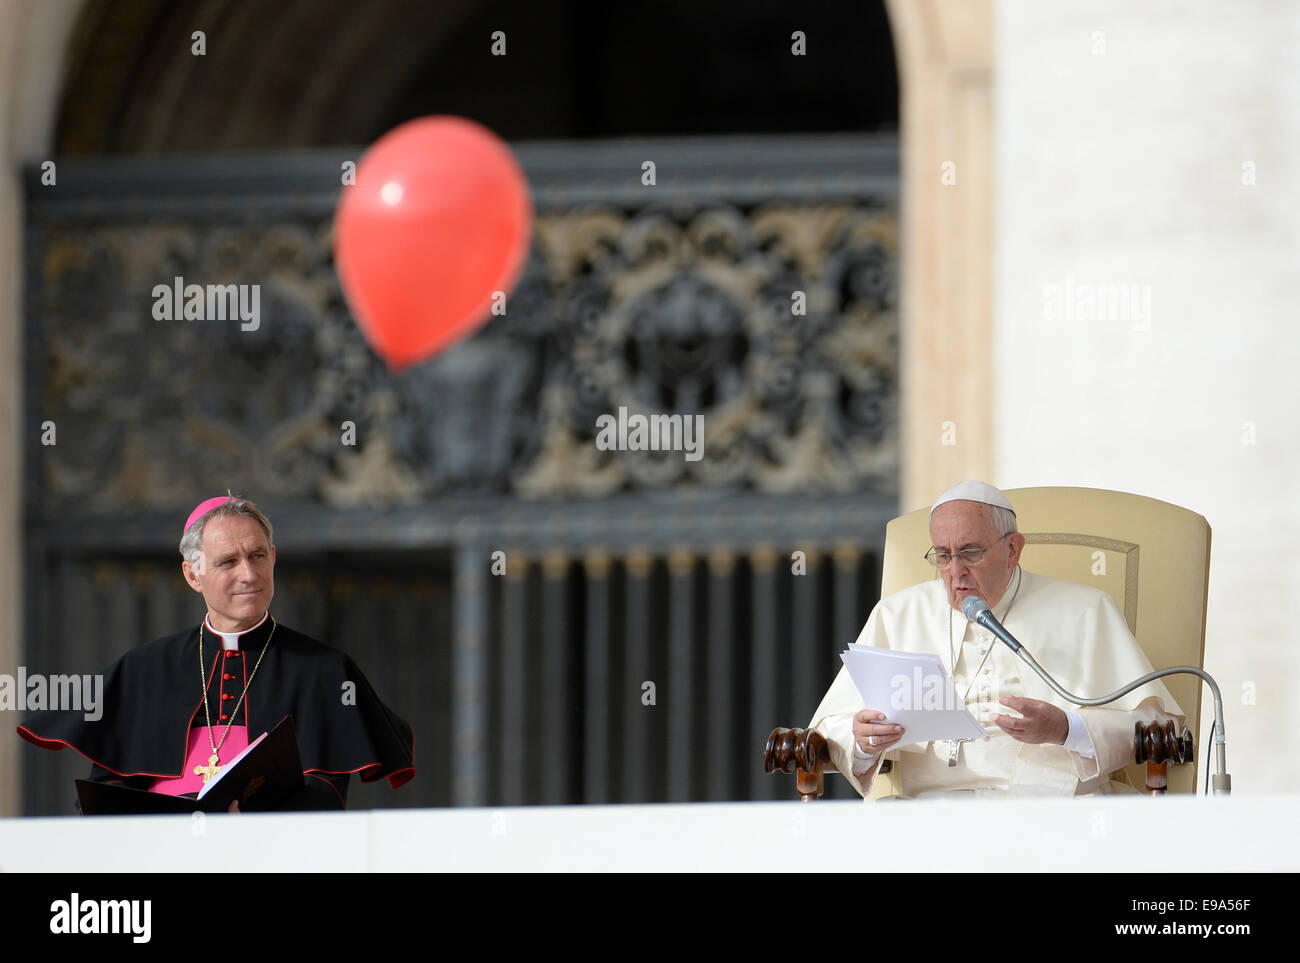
800 751
1158 745
805 753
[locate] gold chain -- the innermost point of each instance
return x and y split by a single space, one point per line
207 715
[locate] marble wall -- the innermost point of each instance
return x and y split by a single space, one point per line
1147 248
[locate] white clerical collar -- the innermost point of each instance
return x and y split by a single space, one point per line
230 640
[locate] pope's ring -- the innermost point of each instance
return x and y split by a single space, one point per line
871 740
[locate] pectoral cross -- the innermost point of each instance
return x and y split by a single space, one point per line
210 770
954 747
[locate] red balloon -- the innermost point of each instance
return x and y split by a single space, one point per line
436 225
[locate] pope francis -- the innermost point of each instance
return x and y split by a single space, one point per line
1037 743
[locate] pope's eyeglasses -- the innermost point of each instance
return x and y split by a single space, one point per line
970 557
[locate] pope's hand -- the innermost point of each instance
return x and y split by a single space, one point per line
873 736
1042 722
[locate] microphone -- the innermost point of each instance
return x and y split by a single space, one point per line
977 610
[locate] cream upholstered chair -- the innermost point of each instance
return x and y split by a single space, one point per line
1156 567
1156 564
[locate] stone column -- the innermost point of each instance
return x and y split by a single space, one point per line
944 51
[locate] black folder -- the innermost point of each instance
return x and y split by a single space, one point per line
264 778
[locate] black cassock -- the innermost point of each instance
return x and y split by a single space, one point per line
151 700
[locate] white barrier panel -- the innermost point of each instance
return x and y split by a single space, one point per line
1126 834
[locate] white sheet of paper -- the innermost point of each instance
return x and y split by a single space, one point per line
913 690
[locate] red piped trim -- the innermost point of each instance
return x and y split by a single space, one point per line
401 777
371 772
367 772
35 740
59 744
342 801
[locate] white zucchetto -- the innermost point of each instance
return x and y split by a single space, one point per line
973 491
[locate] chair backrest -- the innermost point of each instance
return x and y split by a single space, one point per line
1152 557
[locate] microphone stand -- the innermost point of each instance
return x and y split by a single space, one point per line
977 610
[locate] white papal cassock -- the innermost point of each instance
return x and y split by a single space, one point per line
1077 634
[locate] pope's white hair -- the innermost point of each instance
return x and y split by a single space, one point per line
1003 519
192 541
